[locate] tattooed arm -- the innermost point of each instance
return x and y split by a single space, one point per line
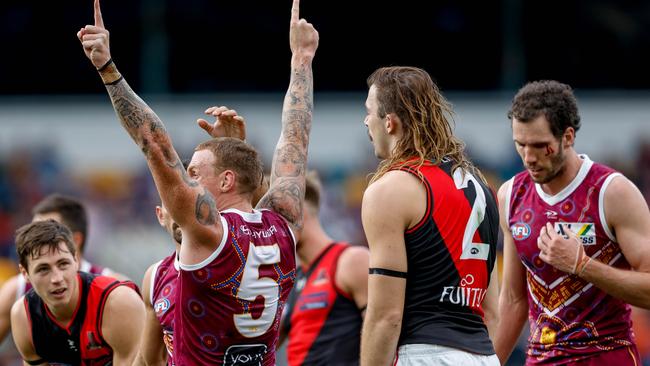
191 206
287 191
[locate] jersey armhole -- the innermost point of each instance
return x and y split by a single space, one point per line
152 280
335 266
506 203
102 303
601 206
214 255
427 188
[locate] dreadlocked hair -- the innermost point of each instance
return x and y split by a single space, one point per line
427 119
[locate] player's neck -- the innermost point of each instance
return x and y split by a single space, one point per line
65 312
313 241
236 201
568 174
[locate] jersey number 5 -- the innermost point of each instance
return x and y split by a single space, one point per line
252 286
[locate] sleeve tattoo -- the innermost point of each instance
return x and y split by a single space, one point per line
287 191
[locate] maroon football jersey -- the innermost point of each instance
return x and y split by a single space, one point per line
229 306
162 293
570 319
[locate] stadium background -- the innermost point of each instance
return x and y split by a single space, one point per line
58 131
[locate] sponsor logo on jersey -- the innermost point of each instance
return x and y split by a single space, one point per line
313 301
520 231
550 214
464 295
72 345
161 306
476 251
585 231
257 234
321 278
244 355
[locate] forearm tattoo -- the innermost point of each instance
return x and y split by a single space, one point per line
147 130
287 191
142 124
178 165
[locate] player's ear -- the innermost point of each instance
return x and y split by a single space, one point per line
569 137
228 180
392 123
23 272
159 215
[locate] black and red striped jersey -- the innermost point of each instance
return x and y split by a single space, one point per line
323 322
81 342
450 254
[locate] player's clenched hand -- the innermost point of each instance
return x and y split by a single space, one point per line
94 39
303 38
228 123
563 252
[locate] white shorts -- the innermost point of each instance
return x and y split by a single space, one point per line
432 354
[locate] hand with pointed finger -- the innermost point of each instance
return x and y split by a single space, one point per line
94 39
303 37
562 251
228 123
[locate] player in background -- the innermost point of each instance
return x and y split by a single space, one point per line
71 213
326 306
71 317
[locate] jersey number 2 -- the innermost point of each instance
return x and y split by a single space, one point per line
252 286
472 250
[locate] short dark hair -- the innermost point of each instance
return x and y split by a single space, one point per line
31 238
313 189
238 156
72 211
549 98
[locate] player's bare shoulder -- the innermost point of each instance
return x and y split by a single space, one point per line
399 194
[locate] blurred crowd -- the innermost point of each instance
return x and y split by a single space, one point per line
123 202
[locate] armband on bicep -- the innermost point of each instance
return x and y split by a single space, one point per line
387 272
35 362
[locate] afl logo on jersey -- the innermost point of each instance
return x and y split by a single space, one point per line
161 306
520 231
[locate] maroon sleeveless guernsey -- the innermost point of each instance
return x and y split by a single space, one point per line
450 254
570 319
162 293
229 306
321 317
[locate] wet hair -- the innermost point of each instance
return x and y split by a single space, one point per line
238 156
72 212
549 98
31 238
426 116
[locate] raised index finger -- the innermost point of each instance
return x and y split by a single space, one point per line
295 11
99 22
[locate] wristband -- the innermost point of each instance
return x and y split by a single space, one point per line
110 61
109 73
